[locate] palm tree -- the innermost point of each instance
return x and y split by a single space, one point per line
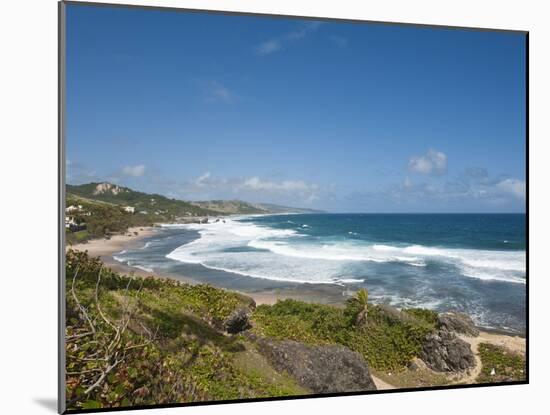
357 305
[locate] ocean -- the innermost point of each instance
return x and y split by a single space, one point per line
475 263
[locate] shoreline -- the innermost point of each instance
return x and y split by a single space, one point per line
116 243
315 293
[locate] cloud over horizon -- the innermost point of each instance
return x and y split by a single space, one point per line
432 163
474 189
250 188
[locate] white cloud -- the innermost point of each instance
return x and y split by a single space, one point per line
252 188
277 43
134 171
513 187
255 183
474 186
432 163
268 47
203 180
216 92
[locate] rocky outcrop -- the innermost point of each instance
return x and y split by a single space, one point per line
238 321
321 369
457 322
443 351
109 188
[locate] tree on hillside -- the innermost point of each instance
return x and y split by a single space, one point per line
356 308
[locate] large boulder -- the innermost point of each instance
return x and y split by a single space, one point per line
443 351
321 369
457 322
238 321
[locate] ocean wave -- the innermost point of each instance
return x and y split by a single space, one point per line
322 260
284 278
331 252
143 268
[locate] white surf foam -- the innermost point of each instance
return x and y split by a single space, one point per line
283 254
143 268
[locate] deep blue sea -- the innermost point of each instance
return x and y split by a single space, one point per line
474 263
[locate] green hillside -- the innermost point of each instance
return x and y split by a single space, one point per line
98 210
142 202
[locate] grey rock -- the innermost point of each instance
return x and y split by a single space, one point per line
321 369
238 321
416 364
443 351
457 322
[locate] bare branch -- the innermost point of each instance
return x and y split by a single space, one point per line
102 377
82 309
97 301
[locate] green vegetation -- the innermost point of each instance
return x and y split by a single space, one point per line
386 341
101 219
505 366
423 314
141 341
357 307
153 204
144 341
103 212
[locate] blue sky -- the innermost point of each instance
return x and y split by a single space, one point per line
339 116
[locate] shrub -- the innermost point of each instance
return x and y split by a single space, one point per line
500 365
386 344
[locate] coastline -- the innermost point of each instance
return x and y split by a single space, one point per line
313 293
105 248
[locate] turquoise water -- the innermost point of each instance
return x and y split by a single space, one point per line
474 263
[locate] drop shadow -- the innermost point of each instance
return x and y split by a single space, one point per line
48 403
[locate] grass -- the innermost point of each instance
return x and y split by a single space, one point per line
507 365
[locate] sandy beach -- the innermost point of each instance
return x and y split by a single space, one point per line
106 248
102 247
